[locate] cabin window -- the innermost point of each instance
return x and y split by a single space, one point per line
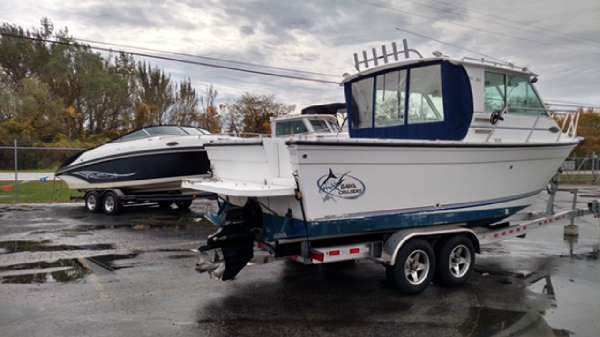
291 127
514 92
319 125
495 92
425 104
362 101
390 99
522 98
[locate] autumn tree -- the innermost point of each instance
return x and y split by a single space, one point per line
155 92
589 129
257 111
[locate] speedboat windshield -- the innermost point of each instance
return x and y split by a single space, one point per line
162 131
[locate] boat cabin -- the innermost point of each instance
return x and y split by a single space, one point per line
443 99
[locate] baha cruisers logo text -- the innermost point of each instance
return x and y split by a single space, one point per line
340 185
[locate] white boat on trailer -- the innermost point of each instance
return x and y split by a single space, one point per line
145 165
437 146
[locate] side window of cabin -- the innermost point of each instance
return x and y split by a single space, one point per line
291 127
495 92
390 99
319 125
362 103
522 98
425 103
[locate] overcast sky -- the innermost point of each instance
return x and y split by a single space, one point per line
558 39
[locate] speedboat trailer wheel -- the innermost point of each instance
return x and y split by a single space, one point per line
92 201
232 243
111 203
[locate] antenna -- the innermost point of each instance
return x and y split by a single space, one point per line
385 56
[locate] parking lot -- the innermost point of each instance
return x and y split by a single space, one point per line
65 272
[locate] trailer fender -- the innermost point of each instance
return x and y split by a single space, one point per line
392 245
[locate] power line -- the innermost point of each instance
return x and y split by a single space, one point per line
514 23
449 44
474 28
166 58
203 57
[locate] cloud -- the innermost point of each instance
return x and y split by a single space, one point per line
560 40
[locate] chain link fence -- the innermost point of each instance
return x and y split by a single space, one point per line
581 169
27 173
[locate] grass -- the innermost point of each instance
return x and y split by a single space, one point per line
579 179
37 192
44 170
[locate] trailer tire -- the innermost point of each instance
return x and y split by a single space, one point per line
413 268
455 261
183 205
92 202
111 203
165 204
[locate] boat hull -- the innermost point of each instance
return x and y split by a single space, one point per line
361 187
143 171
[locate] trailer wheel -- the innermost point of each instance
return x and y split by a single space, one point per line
92 201
165 204
455 261
111 203
413 268
183 204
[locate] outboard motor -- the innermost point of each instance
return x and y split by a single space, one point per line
233 243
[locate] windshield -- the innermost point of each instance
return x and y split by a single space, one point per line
195 131
162 131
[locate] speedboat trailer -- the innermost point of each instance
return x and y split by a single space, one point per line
438 152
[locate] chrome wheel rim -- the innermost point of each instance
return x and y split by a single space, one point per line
460 261
109 204
91 202
416 267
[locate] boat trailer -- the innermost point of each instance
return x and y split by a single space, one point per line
413 257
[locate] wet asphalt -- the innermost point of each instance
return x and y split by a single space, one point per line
65 272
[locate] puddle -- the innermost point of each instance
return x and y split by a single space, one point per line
154 224
16 246
64 270
109 261
181 256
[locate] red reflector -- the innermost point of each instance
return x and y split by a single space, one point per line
354 250
317 256
334 252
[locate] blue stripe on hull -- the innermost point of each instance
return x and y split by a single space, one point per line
278 228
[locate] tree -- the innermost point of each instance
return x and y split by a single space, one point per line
588 128
155 91
257 112
209 117
184 110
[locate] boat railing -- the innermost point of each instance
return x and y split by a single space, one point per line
497 64
570 122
